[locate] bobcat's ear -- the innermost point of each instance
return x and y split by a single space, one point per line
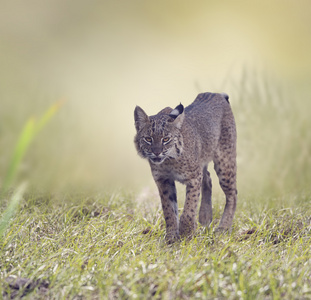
140 117
177 114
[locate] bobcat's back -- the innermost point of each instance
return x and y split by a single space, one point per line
209 115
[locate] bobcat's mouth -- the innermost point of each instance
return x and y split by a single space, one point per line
156 160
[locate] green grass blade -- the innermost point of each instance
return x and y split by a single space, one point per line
29 132
47 116
10 210
21 147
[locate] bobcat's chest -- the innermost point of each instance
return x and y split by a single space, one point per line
179 170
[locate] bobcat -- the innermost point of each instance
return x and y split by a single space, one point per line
179 143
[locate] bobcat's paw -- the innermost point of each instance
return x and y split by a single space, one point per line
172 237
204 218
187 226
222 230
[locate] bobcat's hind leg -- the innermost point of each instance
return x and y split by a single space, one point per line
225 167
206 210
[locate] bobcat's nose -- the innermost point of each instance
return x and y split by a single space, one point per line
157 151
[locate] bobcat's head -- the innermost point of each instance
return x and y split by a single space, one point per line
158 137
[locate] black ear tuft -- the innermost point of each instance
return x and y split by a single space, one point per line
178 110
225 96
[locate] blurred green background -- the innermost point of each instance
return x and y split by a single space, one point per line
105 57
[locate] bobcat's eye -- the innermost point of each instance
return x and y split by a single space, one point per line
165 140
148 140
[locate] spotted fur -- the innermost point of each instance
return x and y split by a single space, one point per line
179 143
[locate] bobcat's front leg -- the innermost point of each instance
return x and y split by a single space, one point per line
188 218
168 196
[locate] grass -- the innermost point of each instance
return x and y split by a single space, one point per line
108 247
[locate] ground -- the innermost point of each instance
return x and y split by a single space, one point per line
113 247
